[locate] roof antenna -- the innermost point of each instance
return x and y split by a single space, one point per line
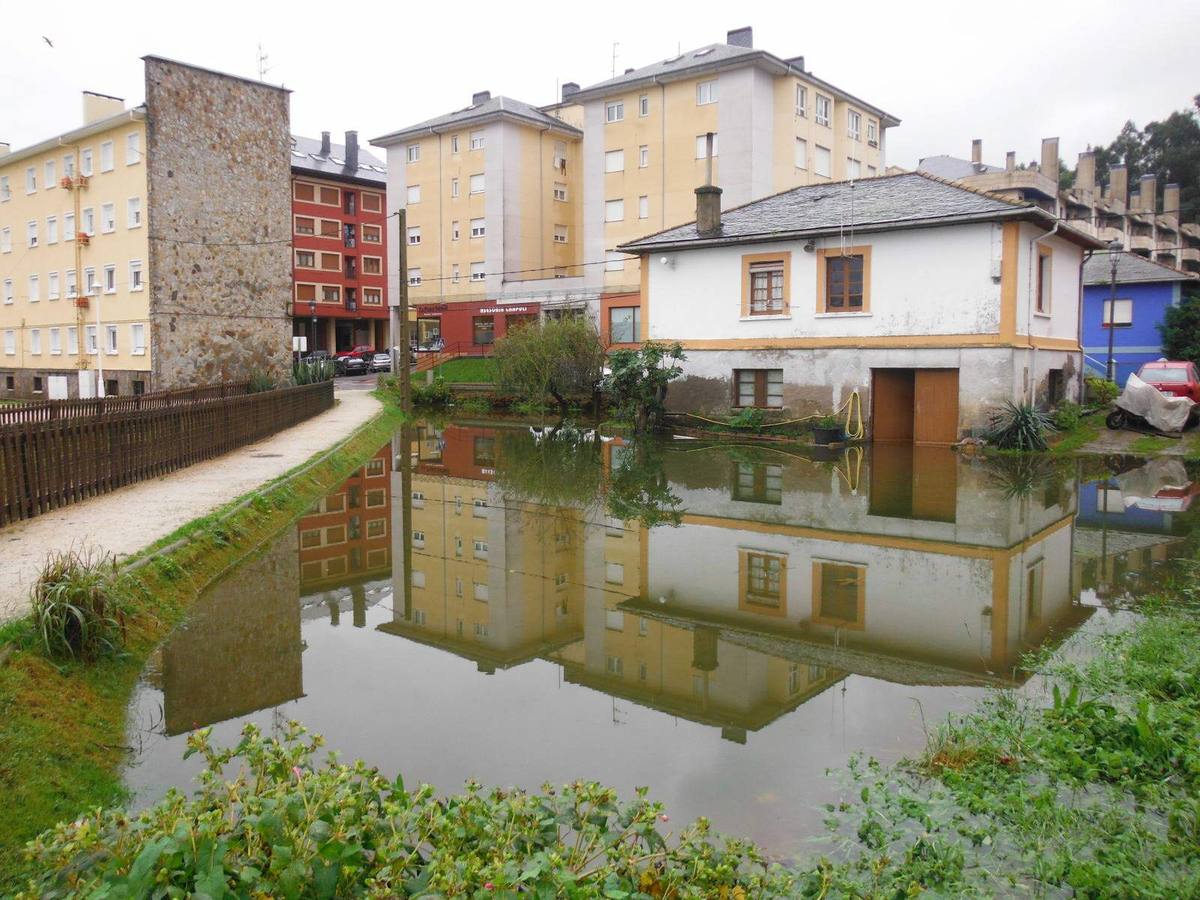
614 59
263 68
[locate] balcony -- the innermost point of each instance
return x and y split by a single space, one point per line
1142 243
1189 254
1110 233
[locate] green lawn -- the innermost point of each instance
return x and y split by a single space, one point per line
1150 443
473 370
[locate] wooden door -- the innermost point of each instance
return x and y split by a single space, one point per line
892 404
935 408
935 483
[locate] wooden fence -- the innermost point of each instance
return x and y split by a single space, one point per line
52 410
70 455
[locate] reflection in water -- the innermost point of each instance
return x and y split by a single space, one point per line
671 614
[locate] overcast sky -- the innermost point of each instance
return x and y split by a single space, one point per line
1010 73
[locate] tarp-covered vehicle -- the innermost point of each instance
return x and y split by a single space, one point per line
1143 404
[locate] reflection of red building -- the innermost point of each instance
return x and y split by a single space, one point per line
345 538
339 239
458 451
477 325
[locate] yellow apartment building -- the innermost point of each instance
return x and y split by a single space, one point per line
73 256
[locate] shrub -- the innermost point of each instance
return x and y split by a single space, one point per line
562 359
637 382
749 418
474 405
1067 415
1019 426
286 828
1100 391
259 382
436 393
313 371
79 605
829 421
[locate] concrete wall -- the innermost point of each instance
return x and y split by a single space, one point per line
219 205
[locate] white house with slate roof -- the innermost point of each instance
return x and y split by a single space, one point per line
934 302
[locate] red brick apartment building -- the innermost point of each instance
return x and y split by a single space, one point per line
339 245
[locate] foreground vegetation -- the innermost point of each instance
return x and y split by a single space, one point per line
62 713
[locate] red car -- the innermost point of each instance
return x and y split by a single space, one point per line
1175 379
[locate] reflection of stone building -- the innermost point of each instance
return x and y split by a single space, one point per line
240 649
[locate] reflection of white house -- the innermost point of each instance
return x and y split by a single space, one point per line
935 302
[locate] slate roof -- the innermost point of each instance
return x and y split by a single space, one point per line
907 200
495 107
714 56
1131 269
953 168
306 155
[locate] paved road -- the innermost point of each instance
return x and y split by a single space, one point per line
358 382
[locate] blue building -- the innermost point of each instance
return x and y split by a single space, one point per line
1144 291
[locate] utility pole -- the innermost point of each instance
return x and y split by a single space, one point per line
1114 257
401 347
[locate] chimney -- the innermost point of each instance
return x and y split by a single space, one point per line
1118 184
1010 161
480 97
351 149
740 37
1049 164
796 62
1148 193
708 197
5 148
324 143
977 151
571 87
1085 172
627 71
1170 198
100 106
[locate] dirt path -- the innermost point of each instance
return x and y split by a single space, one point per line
1121 442
133 517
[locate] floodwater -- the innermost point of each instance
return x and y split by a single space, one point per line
721 623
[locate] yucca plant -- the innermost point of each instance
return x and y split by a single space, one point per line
1019 426
313 371
79 605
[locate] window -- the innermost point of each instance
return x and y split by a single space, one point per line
454 144
560 234
89 339
1042 303
90 288
414 193
478 228
1124 314
110 279
133 148
455 273
49 175
133 212
35 341
483 329
372 296
643 156
801 100
706 92
372 265
31 180
823 163
559 161
625 324
839 594
560 192
801 159
763 582
52 286
88 222
614 261
477 272
69 166
761 388
372 234
614 210
824 110
477 140
455 232
853 168
453 187
614 161
371 202
106 156
757 483
108 218
56 342
414 153
331 293
330 228
414 277
72 284
480 593
414 235
842 285
110 341
484 455
854 125
5 189
477 183
644 105
72 340
480 548
614 619
872 133
34 289
85 162
10 343
615 665
418 539
137 340
767 288
702 146
37 384
8 292
614 111
306 259
51 229
31 234
5 240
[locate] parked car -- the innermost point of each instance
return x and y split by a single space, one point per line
381 362
349 364
317 356
1173 378
363 351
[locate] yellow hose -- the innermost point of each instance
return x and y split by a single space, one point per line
852 407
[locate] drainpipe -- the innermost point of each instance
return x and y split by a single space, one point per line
1079 324
1029 309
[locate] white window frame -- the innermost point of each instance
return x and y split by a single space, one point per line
614 111
71 284
133 148
133 212
90 339
1124 312
478 228
644 206
872 133
5 189
854 124
414 276
477 186
826 154
35 289
31 180
614 161
478 140
10 342
643 156
454 187
800 154
137 280
643 106
86 162
137 339
52 286
702 145
478 272
31 233
706 92
48 173
853 168
454 144
560 192
824 110
455 230
112 342
560 234
8 291
414 235
55 342
68 226
614 210
108 218
801 100
614 261
72 340
35 341
6 240
412 153
107 156
110 279
413 194
51 230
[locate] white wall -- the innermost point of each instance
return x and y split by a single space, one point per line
1066 258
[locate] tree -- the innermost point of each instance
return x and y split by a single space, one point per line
561 358
637 381
1180 328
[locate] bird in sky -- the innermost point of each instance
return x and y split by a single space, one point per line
49 42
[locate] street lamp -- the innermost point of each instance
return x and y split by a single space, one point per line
1114 257
312 311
